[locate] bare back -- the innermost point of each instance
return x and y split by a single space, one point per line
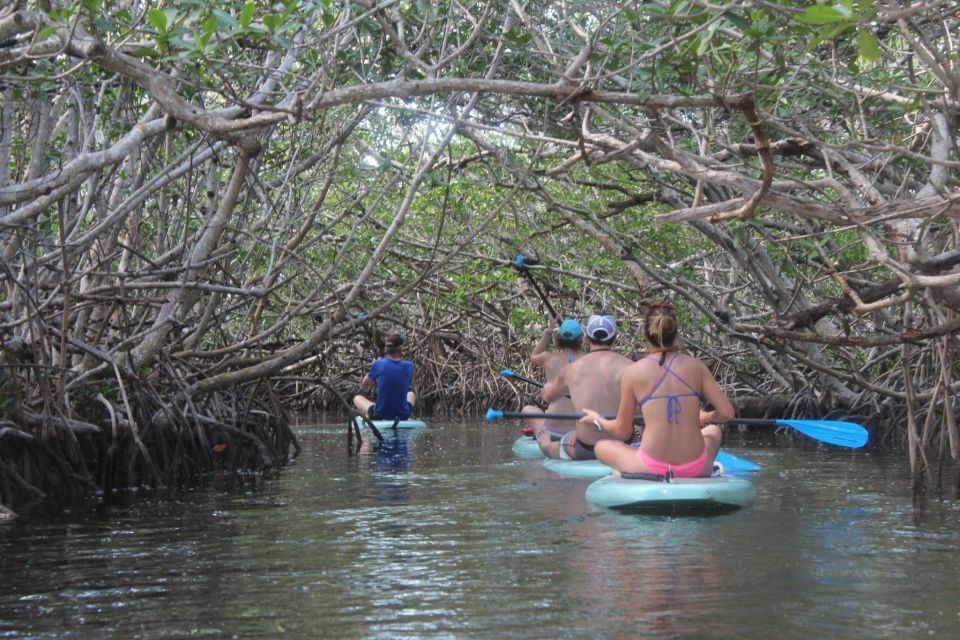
594 382
670 397
553 362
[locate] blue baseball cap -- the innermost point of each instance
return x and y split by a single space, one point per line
570 329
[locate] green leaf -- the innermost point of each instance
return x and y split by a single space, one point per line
273 21
738 21
209 26
158 19
246 14
200 40
171 15
820 14
517 38
225 18
869 45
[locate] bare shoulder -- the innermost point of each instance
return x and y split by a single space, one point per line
692 366
639 368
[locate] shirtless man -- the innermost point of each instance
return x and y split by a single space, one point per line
569 340
592 381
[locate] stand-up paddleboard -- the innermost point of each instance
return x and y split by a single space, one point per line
387 424
577 468
729 465
527 447
719 493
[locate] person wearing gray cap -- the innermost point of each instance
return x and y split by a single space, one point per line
591 381
669 388
568 338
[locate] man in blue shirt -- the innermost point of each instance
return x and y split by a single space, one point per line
392 375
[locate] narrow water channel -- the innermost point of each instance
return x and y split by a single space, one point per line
444 533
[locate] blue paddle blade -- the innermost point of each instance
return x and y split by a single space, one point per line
492 414
506 372
734 464
844 434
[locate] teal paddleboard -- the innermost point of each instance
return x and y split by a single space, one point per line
577 468
527 447
719 493
387 424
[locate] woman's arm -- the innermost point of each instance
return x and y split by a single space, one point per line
544 341
722 407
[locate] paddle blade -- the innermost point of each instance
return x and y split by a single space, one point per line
844 434
506 372
735 464
493 414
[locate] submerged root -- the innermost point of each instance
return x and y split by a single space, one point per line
57 460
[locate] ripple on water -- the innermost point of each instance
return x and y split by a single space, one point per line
446 535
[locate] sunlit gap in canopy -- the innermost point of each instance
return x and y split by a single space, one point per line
511 138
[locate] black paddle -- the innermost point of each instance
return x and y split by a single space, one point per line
520 264
508 373
353 413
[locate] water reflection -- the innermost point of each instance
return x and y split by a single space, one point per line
388 464
639 575
443 533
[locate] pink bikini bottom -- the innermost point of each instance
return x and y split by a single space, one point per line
691 469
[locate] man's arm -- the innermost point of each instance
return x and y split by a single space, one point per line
557 388
367 381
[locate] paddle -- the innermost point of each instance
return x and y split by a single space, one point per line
367 421
353 412
493 414
521 266
843 434
508 373
735 464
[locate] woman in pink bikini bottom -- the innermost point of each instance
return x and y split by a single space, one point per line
680 439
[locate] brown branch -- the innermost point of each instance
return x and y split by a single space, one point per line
745 212
907 337
809 317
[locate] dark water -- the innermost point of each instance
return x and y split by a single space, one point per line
444 534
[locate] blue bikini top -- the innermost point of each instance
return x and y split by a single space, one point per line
673 399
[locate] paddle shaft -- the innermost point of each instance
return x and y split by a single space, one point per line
757 422
522 268
367 421
844 434
536 383
554 416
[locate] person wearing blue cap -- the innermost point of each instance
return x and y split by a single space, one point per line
568 339
592 381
